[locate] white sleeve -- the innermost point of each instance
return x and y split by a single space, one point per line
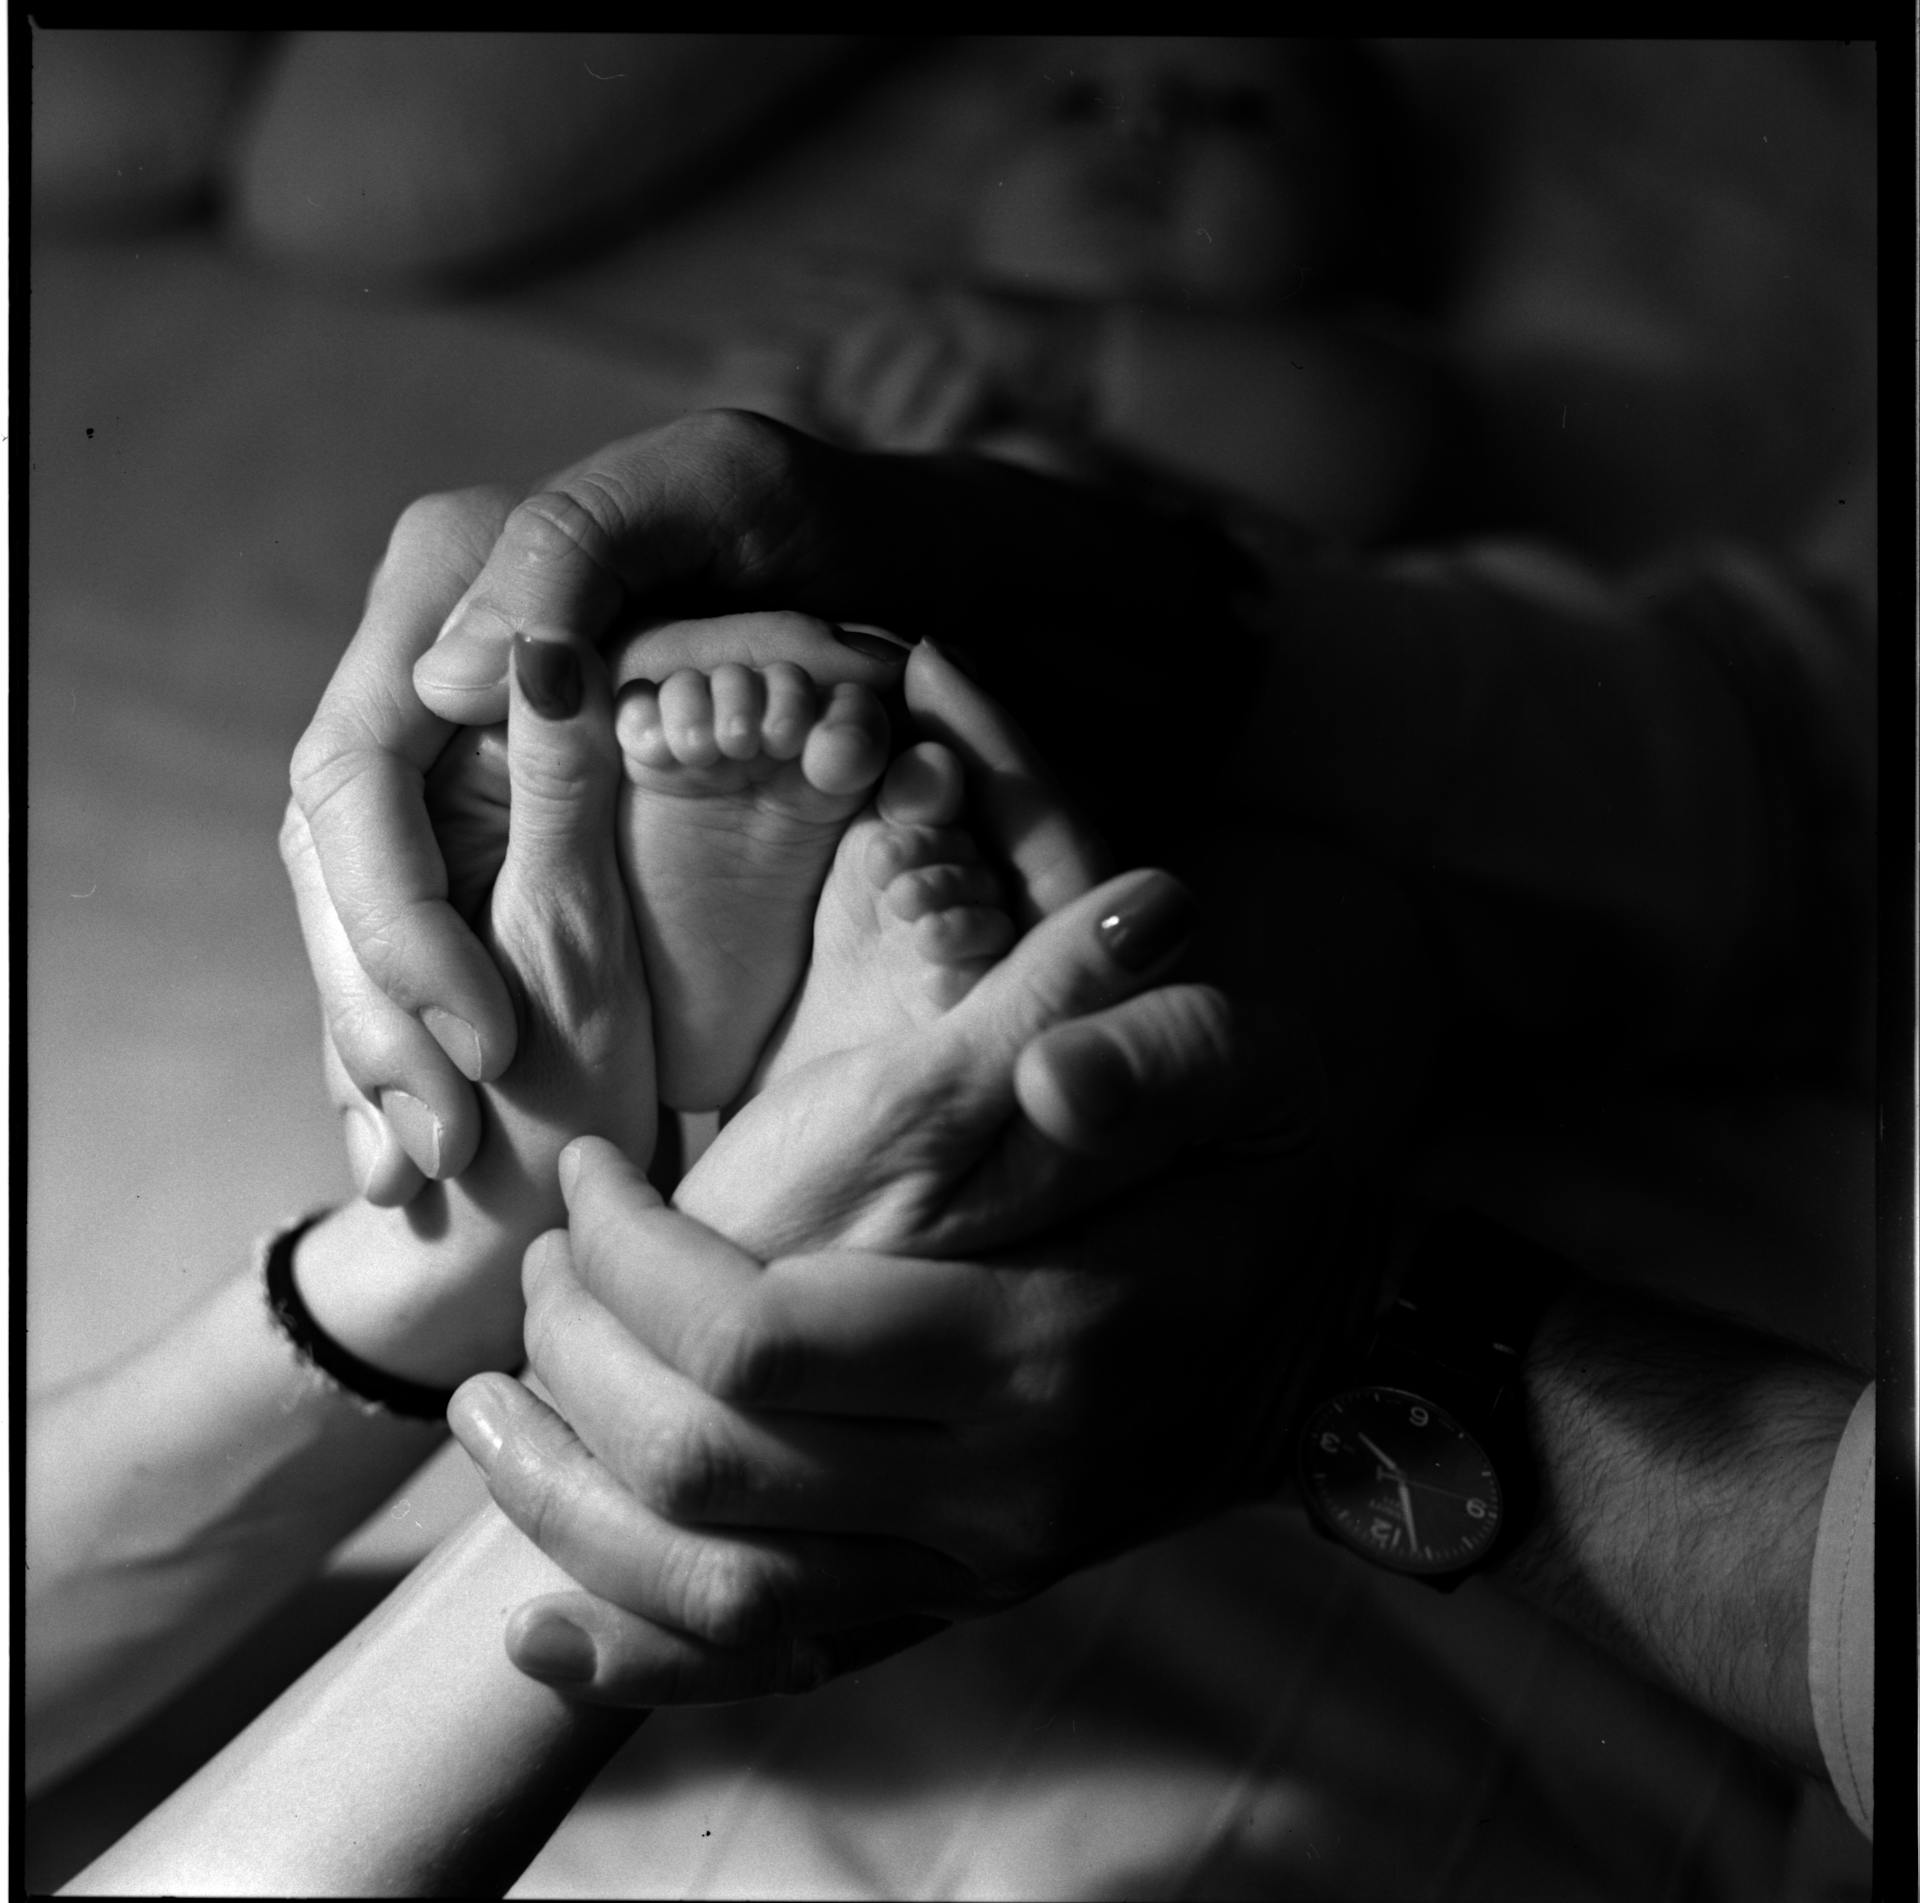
1840 1619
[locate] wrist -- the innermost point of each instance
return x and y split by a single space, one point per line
397 1289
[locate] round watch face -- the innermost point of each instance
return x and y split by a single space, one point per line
1397 1478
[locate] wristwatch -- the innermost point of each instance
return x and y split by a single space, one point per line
1414 1455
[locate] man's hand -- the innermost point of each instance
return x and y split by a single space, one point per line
772 1474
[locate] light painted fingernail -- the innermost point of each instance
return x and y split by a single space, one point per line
554 1649
456 1037
569 1169
365 1143
474 1426
416 1126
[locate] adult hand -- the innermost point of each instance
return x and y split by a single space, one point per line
1068 594
773 1474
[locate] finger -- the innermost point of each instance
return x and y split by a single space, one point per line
632 1662
695 1460
394 1085
1055 857
1099 949
723 500
563 762
382 1171
357 774
840 1332
1180 1065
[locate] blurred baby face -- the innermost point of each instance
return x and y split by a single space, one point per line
1191 170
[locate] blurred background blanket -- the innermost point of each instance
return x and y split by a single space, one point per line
227 413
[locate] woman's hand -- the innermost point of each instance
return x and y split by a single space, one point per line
549 906
1069 594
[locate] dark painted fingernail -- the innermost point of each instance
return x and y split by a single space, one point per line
1150 924
875 643
554 1649
549 676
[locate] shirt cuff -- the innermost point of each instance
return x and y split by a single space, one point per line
1840 1619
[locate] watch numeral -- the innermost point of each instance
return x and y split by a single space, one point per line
1384 1532
1418 1415
1329 1443
1477 1509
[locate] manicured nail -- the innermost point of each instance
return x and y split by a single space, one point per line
549 675
366 1142
1149 924
1096 1075
555 1649
876 643
418 1129
473 1424
569 1169
456 1037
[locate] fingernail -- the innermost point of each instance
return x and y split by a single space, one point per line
1096 1075
876 643
474 661
456 1037
418 1129
1149 924
554 1649
549 676
365 1143
474 1426
569 1169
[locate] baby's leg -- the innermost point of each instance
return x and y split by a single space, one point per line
739 786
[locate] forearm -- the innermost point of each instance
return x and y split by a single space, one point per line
412 1760
174 1499
1684 1460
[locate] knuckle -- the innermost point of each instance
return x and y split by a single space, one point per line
559 525
731 1595
687 1468
747 1358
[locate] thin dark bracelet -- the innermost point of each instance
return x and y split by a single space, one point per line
392 1393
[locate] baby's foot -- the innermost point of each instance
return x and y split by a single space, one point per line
739 787
910 919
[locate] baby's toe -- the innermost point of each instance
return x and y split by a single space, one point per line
963 932
939 888
894 850
739 702
790 710
640 730
926 786
847 748
686 711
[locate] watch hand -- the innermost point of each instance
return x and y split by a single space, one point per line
1386 1460
1406 1511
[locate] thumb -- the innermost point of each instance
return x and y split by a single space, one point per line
1101 948
1181 1065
